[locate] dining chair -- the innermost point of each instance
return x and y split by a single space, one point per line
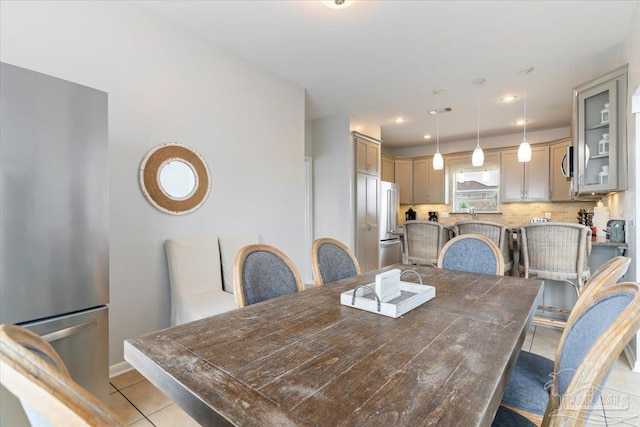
472 252
332 260
555 251
534 370
32 371
262 272
500 234
594 337
195 279
607 274
229 247
423 241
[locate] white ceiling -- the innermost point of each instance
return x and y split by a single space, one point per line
382 59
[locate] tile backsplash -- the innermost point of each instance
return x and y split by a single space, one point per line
512 214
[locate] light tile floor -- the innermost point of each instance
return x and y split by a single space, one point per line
141 404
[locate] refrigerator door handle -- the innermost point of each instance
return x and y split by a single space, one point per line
389 201
71 330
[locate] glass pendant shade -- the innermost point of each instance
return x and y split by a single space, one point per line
477 159
524 152
438 161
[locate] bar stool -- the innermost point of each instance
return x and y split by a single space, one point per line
555 251
424 241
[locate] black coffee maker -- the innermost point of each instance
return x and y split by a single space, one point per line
410 215
433 216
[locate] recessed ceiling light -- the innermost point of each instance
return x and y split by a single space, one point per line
427 136
520 122
508 98
399 120
337 4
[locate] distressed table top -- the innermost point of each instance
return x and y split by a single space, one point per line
304 359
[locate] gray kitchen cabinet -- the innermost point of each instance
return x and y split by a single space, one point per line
560 185
387 172
367 245
525 182
404 179
367 238
367 156
428 184
600 143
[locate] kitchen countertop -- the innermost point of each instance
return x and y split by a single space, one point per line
597 241
602 241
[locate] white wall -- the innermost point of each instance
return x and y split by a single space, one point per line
333 179
166 84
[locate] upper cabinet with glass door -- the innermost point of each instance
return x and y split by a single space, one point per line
600 134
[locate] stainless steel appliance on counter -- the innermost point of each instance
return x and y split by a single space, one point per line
615 230
390 245
54 262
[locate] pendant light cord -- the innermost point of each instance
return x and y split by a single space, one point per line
438 125
525 107
478 144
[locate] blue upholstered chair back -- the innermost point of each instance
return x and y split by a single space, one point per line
586 330
500 234
593 339
473 253
332 261
265 273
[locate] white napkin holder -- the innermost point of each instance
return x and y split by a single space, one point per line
389 295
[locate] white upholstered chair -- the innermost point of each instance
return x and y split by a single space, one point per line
196 279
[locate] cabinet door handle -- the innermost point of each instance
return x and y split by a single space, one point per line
564 172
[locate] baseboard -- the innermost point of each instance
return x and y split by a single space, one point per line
119 369
632 358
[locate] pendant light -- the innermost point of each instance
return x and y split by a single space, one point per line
477 159
438 161
524 151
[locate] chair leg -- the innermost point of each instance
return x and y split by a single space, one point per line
554 321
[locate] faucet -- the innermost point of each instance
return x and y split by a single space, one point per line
474 214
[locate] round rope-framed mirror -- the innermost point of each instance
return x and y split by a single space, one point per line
174 178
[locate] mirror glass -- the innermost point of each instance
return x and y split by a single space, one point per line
177 179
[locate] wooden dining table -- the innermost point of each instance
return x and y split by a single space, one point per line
306 360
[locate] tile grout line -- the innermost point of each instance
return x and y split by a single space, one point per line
132 404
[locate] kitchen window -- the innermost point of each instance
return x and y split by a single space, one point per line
474 189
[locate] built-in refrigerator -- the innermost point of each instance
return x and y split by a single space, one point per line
390 244
54 262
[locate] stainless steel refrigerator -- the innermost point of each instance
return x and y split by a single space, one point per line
54 261
390 245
